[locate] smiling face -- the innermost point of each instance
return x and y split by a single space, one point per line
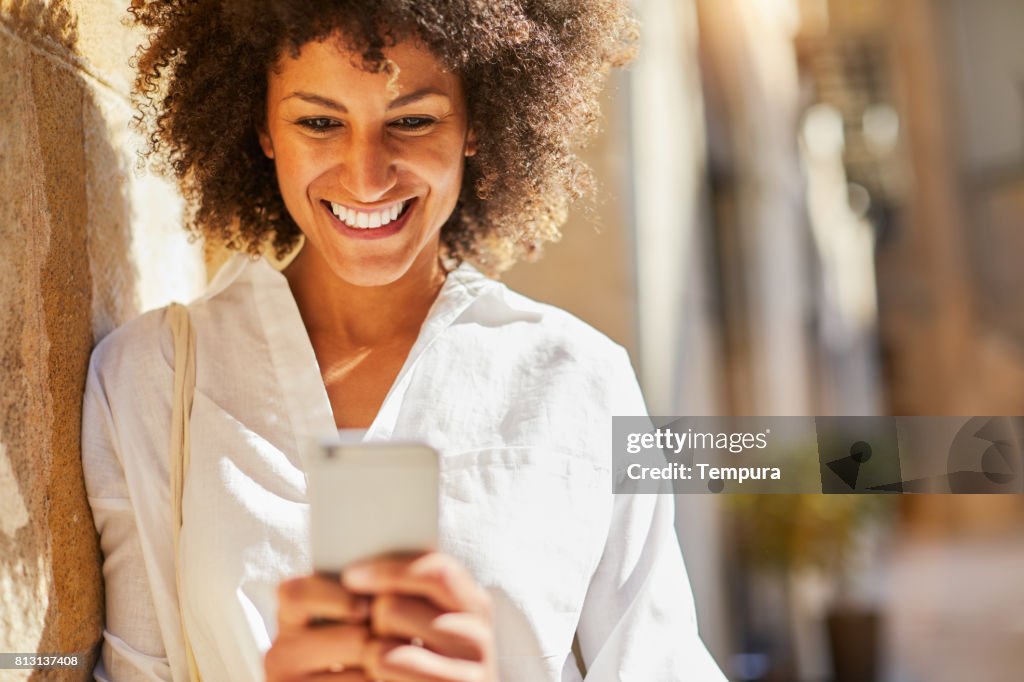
369 169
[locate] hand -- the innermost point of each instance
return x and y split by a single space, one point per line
429 620
365 630
321 627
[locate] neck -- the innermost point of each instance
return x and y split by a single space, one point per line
356 316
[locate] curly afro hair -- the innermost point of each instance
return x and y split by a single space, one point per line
531 70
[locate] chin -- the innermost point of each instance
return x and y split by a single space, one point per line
369 263
369 272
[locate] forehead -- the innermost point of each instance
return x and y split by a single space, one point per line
329 65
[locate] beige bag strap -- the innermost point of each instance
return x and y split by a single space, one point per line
577 653
181 411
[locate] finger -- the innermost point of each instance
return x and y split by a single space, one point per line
316 650
437 576
302 601
397 661
455 634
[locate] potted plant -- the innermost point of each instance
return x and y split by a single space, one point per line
791 535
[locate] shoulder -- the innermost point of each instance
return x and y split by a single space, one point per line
135 350
557 329
144 344
551 350
549 376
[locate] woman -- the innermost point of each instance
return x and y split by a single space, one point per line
378 147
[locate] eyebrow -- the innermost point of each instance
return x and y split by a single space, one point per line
402 101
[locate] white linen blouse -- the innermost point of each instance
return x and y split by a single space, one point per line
517 397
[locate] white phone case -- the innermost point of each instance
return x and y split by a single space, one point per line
372 498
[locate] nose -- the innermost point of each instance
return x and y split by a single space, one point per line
367 167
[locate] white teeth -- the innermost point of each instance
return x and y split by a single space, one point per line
367 220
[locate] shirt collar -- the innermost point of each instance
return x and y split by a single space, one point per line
466 297
465 290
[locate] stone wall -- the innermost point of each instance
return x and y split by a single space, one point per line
88 243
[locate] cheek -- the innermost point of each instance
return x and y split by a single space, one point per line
442 168
298 169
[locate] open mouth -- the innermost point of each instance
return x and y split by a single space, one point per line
361 219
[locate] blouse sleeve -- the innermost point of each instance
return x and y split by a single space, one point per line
132 647
638 620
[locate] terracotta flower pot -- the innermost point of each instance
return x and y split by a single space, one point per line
853 638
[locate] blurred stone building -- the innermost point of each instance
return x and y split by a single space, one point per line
882 143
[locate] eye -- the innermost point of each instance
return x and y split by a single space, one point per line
318 125
413 123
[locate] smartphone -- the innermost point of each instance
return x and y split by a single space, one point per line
368 499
